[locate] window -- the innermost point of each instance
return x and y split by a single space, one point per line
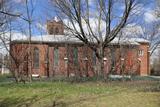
140 52
113 57
56 56
56 30
75 56
51 30
36 58
94 58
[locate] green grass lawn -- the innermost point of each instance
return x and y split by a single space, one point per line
87 94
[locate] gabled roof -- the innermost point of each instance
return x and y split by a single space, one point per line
72 39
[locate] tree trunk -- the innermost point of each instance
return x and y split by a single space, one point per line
15 74
101 67
101 62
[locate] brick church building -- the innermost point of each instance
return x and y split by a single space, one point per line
61 54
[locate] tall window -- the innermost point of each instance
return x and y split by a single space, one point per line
94 58
140 52
51 30
75 56
56 56
113 57
36 58
56 30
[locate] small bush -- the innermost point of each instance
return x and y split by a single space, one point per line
5 77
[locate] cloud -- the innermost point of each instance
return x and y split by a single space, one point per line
41 26
19 1
93 23
4 41
149 16
132 30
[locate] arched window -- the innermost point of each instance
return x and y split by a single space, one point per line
51 30
36 58
56 57
75 56
113 57
56 30
94 58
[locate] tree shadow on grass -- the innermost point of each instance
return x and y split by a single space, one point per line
17 102
20 101
94 98
152 89
58 103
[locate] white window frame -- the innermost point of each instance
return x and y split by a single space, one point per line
140 52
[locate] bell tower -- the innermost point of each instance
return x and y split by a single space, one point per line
55 27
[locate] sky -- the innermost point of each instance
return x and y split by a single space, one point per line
44 10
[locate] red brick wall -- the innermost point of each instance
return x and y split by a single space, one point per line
42 53
85 68
144 59
20 50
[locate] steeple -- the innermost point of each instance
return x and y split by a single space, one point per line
55 27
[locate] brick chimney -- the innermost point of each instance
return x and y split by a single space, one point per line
55 27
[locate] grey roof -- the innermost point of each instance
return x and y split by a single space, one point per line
49 39
129 40
71 39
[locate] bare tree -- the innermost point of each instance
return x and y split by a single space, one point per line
152 35
16 62
27 16
157 10
29 21
96 23
155 67
17 57
6 16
